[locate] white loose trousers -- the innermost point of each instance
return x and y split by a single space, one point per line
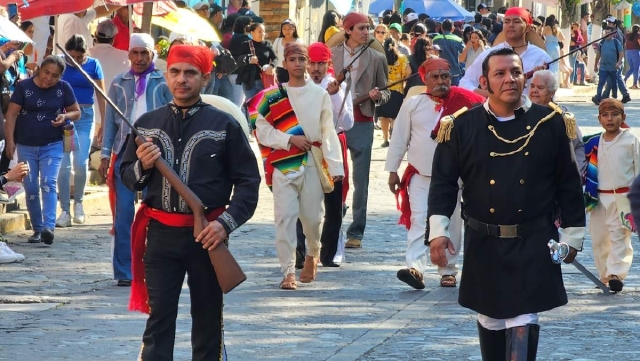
416 250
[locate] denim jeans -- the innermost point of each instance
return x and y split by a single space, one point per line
44 165
123 218
250 93
610 78
237 95
84 135
574 66
633 57
223 87
616 84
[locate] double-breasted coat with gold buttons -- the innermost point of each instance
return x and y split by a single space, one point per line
507 277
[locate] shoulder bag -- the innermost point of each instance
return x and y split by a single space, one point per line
267 80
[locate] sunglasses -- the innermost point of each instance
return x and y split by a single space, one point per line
381 32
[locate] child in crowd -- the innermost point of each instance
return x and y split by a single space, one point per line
614 162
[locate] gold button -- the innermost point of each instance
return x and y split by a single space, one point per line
491 210
526 153
528 127
521 181
492 182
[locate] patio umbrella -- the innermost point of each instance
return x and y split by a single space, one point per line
187 22
438 10
30 9
12 32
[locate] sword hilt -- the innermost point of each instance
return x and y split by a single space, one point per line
558 251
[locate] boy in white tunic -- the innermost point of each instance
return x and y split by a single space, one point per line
290 121
618 164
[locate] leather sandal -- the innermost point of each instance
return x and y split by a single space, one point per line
289 282
615 283
448 281
310 270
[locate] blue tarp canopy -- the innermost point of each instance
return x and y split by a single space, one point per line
439 10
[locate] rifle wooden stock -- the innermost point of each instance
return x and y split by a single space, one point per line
363 98
228 271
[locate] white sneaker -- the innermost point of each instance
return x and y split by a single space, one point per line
78 213
64 220
7 255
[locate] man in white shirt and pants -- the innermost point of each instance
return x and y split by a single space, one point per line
517 21
413 134
319 63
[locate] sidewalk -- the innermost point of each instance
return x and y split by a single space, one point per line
61 304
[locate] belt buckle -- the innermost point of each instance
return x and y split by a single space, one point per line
508 231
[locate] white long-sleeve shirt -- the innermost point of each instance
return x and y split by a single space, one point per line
618 161
342 121
412 135
312 106
531 57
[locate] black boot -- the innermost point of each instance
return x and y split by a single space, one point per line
492 344
522 343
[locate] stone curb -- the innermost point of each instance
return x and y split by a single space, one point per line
17 218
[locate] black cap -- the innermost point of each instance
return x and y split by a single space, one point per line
215 8
483 6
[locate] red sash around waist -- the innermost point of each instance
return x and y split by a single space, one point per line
139 300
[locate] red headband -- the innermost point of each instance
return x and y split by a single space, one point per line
521 12
432 64
611 104
352 19
199 56
319 52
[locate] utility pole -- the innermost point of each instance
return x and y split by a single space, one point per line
147 11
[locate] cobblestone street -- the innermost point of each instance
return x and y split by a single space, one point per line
61 304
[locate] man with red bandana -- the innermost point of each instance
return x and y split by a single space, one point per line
517 22
414 133
519 176
366 75
288 125
209 151
334 202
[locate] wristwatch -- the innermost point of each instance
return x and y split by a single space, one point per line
3 180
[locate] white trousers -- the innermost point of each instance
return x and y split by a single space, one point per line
611 242
496 324
301 198
416 250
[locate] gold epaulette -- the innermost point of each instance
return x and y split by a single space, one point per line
446 125
569 120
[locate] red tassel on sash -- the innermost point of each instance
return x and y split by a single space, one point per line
402 197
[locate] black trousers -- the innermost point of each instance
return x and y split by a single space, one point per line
333 212
171 252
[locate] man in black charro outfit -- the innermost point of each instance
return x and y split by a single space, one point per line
514 158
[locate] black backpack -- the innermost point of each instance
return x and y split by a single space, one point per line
225 62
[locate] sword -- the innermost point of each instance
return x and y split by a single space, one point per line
558 253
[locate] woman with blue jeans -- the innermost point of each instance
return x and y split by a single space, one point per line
632 54
38 108
76 46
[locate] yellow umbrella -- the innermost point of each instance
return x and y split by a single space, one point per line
185 21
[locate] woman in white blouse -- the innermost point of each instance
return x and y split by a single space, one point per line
288 34
476 45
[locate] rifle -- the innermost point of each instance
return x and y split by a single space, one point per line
529 74
363 98
227 270
342 74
